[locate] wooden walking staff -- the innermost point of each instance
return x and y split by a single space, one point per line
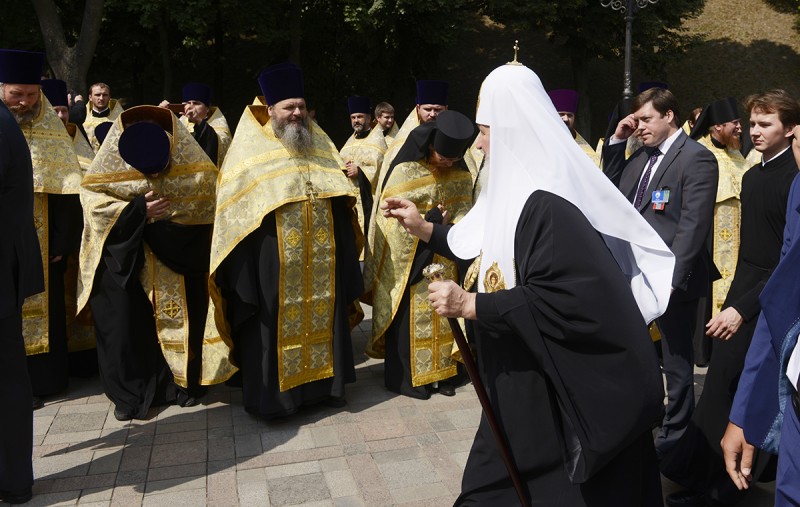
434 273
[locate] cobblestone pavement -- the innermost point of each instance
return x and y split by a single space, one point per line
381 449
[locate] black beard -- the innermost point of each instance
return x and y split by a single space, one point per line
295 136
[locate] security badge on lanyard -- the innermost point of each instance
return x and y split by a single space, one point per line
660 198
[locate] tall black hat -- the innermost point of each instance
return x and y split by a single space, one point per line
20 67
197 91
145 147
718 112
432 92
454 132
358 104
56 91
280 82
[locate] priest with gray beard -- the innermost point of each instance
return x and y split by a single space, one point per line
285 276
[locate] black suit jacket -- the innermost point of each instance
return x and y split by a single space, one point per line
21 273
690 173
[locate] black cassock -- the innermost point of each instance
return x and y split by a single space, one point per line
570 370
696 462
134 372
248 280
207 138
49 371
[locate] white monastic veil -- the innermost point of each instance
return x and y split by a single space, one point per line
531 149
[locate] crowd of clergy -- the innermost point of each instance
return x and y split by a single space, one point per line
157 249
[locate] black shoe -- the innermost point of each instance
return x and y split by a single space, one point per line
122 415
37 403
446 389
17 497
335 402
686 499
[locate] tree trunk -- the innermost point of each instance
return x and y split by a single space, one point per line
70 63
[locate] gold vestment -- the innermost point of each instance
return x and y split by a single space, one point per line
261 176
386 272
91 122
189 183
367 153
216 120
55 171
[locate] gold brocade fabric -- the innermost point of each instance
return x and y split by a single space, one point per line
474 159
217 121
432 342
391 135
412 122
55 166
80 327
81 146
387 270
306 292
91 122
367 153
259 176
727 217
587 148
35 316
55 171
190 184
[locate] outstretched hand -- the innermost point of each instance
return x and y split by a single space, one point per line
407 214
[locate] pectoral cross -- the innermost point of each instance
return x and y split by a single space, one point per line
312 194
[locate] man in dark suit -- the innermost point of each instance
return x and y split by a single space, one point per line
766 409
672 181
21 275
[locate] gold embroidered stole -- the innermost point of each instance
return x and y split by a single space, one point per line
306 292
91 122
386 272
367 153
391 135
55 171
587 148
727 218
189 183
260 176
412 122
217 121
81 146
432 342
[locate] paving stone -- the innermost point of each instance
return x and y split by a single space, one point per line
82 482
80 422
128 495
163 428
292 469
70 438
54 499
173 485
422 492
341 483
391 444
408 473
63 465
225 465
131 477
91 495
85 408
105 461
176 472
397 455
369 480
325 436
287 440
382 429
184 436
178 454
41 423
248 445
331 464
349 433
221 490
136 458
221 448
252 475
253 494
99 503
298 489
348 501
182 498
